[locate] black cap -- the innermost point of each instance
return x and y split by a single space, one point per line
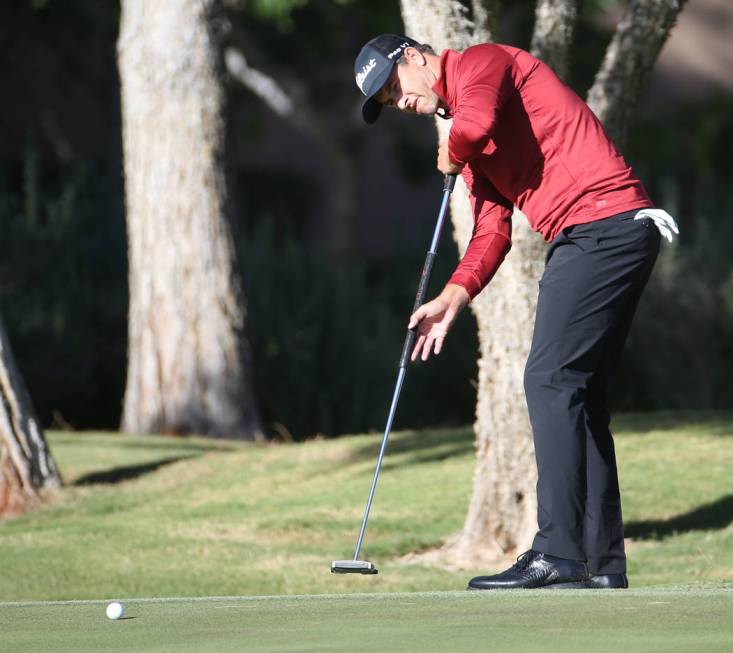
374 65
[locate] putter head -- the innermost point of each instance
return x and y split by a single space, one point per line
353 567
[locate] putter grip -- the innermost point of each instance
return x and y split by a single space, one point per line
422 290
449 183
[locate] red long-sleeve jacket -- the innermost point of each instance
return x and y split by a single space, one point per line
528 140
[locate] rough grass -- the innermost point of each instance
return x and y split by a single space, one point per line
157 516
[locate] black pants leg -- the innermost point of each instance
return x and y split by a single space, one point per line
593 279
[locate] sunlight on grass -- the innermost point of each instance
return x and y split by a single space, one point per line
157 516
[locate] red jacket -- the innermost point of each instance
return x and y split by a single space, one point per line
526 139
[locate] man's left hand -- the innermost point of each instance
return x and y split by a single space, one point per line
434 319
444 163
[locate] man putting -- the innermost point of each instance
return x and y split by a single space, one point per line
520 137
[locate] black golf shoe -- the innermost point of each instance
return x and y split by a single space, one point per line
607 582
534 570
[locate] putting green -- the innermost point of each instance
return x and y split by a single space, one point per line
674 619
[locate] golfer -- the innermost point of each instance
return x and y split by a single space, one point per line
520 137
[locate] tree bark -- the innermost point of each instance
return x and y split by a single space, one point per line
502 512
629 61
189 366
553 33
27 468
501 517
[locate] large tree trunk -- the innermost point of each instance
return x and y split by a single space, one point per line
27 469
501 516
502 511
189 362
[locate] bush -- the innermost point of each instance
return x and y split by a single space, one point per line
327 338
63 289
680 350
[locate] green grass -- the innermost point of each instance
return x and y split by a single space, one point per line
162 517
675 619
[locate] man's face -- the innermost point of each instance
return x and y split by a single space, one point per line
409 87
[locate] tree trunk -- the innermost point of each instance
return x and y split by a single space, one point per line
189 367
502 511
553 33
27 469
502 514
501 517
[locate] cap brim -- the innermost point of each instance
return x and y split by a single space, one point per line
371 109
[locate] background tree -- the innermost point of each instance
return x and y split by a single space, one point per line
502 512
188 357
27 469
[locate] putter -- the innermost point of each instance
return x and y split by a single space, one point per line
357 566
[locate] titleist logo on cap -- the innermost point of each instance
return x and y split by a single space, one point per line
362 74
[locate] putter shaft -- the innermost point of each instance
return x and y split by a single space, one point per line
422 289
390 419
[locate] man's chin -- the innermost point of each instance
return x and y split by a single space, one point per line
428 112
428 109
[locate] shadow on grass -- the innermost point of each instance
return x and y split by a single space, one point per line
119 474
421 446
712 516
424 457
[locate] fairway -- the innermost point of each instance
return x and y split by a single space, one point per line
196 517
675 619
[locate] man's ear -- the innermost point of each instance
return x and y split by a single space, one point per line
413 55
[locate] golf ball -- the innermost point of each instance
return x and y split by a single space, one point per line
115 610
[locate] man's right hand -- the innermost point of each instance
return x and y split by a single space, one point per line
445 165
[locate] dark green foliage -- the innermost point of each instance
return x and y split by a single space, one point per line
327 337
681 346
278 12
63 290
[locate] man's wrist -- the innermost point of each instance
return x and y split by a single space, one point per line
456 295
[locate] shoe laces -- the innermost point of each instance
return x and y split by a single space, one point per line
523 560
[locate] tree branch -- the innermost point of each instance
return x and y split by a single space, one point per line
628 62
298 114
263 86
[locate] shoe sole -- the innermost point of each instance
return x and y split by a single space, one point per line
574 585
587 585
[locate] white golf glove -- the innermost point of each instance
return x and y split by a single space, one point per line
664 221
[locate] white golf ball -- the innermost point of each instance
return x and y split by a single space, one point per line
115 610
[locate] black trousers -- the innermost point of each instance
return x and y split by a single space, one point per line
593 278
